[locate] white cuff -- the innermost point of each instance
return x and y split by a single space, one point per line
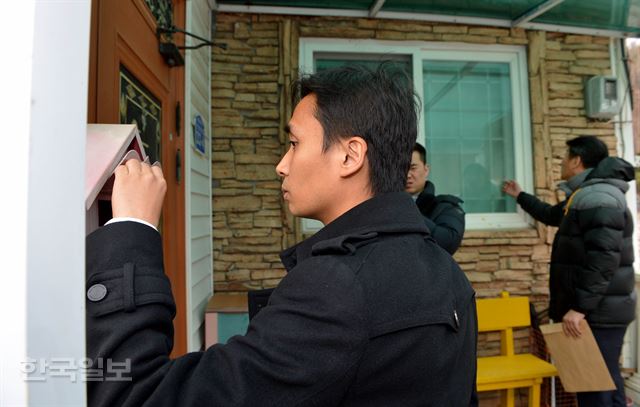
116 220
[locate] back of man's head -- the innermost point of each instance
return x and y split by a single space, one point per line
590 149
377 105
422 152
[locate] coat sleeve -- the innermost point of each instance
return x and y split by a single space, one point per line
602 228
447 227
541 211
302 349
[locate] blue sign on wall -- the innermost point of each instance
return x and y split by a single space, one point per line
199 134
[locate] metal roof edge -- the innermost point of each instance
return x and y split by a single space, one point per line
572 29
444 18
302 11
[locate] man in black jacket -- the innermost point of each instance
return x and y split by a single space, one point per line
371 312
592 273
442 213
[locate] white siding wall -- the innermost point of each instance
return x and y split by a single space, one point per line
198 173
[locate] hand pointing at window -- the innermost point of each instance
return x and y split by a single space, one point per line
511 187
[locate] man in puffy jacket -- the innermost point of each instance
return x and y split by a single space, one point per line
442 213
371 311
592 275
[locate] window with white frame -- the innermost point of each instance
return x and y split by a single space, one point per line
474 120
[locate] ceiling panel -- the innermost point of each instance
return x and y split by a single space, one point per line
621 15
616 15
501 9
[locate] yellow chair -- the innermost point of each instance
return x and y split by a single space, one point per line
509 370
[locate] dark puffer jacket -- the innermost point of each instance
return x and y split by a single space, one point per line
592 257
444 217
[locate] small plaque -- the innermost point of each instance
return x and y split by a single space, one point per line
199 134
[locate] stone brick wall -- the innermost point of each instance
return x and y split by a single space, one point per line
248 225
251 104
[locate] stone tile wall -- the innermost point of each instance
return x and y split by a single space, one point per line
251 104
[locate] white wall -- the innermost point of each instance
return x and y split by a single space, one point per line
44 87
15 83
198 174
44 117
624 134
56 214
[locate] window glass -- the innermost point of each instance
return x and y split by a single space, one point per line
474 118
469 131
371 61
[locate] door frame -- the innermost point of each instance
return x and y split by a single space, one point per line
122 46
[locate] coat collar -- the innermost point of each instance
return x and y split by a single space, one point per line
429 188
574 182
611 170
393 212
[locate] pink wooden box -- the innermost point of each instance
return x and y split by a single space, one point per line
107 146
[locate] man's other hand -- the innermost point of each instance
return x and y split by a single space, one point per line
512 188
138 191
571 323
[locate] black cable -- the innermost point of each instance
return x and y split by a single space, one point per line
205 42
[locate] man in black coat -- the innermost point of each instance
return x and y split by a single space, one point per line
592 273
442 213
371 312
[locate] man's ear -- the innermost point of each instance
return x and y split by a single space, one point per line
576 164
354 154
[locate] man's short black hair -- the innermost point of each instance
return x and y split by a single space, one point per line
418 148
590 149
378 105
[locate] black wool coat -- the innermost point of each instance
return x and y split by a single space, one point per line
371 313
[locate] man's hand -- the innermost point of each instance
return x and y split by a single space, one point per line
510 187
571 323
138 191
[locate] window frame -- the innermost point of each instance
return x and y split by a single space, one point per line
514 55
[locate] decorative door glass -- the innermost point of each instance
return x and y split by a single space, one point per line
138 106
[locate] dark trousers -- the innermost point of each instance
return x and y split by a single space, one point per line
610 343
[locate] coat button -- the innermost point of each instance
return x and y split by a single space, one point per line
96 292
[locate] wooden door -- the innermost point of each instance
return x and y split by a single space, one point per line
130 81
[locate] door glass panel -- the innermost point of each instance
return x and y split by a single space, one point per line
469 131
138 106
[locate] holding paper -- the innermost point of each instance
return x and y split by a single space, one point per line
579 361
